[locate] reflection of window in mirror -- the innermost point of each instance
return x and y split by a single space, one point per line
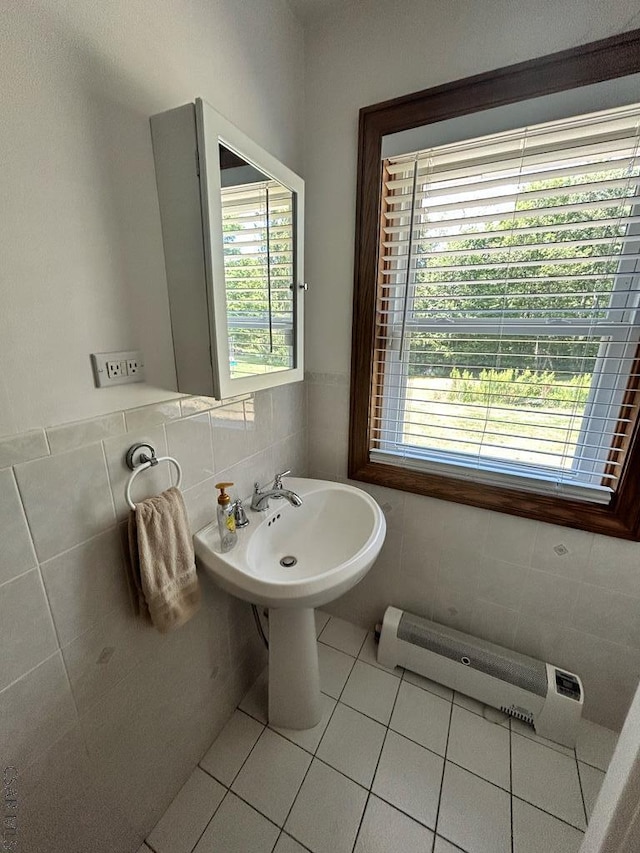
257 226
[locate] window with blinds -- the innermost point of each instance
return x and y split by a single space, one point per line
507 324
257 223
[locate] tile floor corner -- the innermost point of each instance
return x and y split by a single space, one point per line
397 763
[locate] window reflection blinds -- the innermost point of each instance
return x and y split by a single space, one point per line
258 260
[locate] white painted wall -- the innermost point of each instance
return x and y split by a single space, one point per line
493 575
82 267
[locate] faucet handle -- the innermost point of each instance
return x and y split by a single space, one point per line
277 482
239 514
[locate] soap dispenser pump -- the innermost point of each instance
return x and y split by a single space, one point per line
226 519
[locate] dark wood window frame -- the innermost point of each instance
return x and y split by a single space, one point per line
606 59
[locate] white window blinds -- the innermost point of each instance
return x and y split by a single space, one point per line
507 328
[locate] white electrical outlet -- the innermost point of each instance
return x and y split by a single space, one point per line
117 368
114 369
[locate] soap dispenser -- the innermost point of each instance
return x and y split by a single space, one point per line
226 519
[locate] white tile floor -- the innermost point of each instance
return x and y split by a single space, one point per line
397 763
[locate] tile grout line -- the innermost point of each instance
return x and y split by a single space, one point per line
38 566
337 648
53 654
383 799
370 792
466 769
416 743
264 727
421 746
23 510
400 678
215 811
21 575
228 792
511 785
295 840
444 767
550 814
112 496
373 778
314 755
584 802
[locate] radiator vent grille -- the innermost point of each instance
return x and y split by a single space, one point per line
518 713
522 671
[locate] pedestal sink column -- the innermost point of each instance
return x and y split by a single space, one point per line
294 677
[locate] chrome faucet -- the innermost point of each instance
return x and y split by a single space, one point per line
260 499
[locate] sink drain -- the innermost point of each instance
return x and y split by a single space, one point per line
288 562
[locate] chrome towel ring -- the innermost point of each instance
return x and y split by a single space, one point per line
138 461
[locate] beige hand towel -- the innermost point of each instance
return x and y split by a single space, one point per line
162 563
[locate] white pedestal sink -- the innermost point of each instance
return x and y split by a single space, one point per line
293 559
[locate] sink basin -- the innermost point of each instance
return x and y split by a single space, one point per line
293 559
334 538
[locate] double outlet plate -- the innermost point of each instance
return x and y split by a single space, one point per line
117 368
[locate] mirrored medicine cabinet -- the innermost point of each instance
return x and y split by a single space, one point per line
232 228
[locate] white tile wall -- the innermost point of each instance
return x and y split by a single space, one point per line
85 583
494 575
610 615
69 436
35 711
146 417
230 433
28 636
78 818
21 448
99 658
189 440
137 708
67 498
17 554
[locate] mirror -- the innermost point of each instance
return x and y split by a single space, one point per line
232 225
259 266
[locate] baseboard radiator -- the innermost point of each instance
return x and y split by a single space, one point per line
546 697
